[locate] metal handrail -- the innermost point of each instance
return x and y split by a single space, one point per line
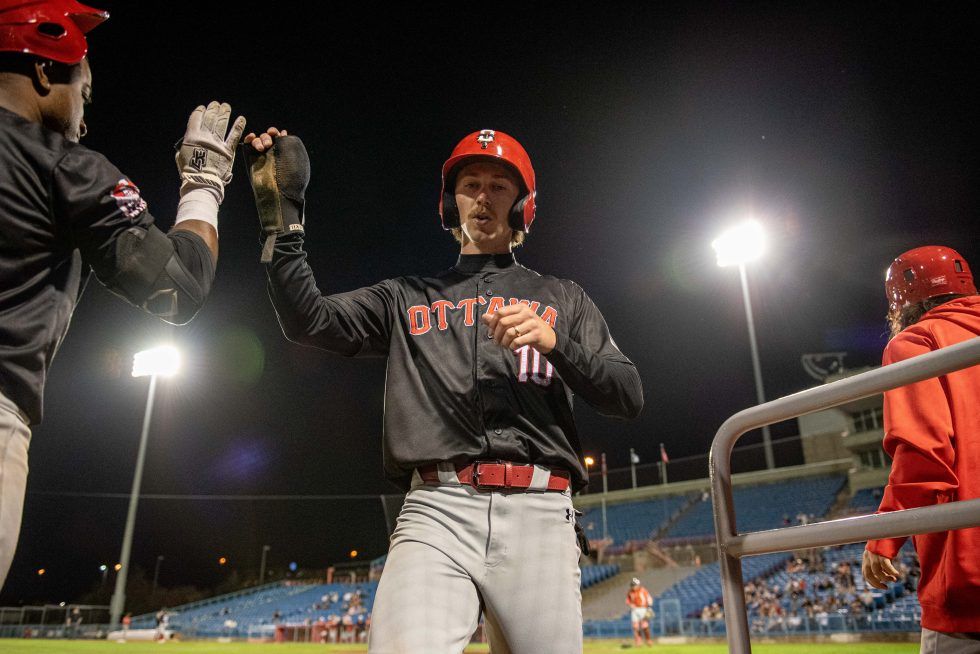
732 545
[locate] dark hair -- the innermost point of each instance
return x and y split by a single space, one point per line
16 62
23 64
912 313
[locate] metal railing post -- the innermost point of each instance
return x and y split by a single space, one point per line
732 545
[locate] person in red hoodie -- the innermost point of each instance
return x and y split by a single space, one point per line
932 433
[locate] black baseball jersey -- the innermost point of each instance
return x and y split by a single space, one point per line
451 392
62 210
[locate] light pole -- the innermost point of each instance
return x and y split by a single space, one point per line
589 462
265 550
156 575
736 247
605 491
634 459
160 361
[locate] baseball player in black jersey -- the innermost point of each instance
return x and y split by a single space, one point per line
65 209
483 361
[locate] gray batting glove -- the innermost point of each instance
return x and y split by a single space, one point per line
205 156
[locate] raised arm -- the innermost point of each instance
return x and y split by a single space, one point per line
358 322
167 275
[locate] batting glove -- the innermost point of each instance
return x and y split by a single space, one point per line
279 178
205 155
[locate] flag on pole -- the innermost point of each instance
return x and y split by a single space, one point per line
634 457
663 454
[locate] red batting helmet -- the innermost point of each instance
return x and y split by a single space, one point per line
50 29
927 272
500 148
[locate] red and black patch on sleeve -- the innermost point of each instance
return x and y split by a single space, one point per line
127 197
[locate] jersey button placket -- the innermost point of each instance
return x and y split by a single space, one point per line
489 293
480 381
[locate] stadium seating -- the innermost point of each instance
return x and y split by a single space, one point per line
865 500
704 586
693 592
896 605
593 574
250 611
766 506
295 603
632 521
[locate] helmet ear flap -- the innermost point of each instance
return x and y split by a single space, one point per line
517 214
450 211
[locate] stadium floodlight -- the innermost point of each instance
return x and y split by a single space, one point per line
163 361
740 244
737 246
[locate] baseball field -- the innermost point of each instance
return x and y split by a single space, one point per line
595 647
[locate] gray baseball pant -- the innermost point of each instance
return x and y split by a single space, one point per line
15 438
457 551
936 642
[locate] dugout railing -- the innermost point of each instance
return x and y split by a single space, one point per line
732 546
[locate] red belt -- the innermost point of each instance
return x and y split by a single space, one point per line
491 475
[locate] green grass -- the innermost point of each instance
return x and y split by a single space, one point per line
10 646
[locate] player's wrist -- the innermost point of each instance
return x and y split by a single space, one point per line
198 204
557 343
549 342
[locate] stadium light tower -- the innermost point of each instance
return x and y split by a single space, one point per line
738 246
161 361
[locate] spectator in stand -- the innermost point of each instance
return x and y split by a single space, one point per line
932 433
867 599
333 626
844 578
360 626
640 603
347 629
706 619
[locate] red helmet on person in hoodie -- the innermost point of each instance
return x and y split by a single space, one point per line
927 272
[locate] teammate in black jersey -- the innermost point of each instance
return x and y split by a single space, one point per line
65 209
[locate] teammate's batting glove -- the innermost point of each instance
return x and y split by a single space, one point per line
205 156
279 178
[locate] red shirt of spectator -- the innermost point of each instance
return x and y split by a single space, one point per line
932 433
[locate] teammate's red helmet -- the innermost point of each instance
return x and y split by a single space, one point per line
501 148
50 29
927 272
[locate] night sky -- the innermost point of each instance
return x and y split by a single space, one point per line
847 130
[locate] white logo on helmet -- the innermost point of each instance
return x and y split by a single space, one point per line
485 138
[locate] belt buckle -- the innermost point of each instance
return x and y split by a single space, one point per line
476 476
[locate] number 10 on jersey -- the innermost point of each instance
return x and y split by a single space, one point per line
531 366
